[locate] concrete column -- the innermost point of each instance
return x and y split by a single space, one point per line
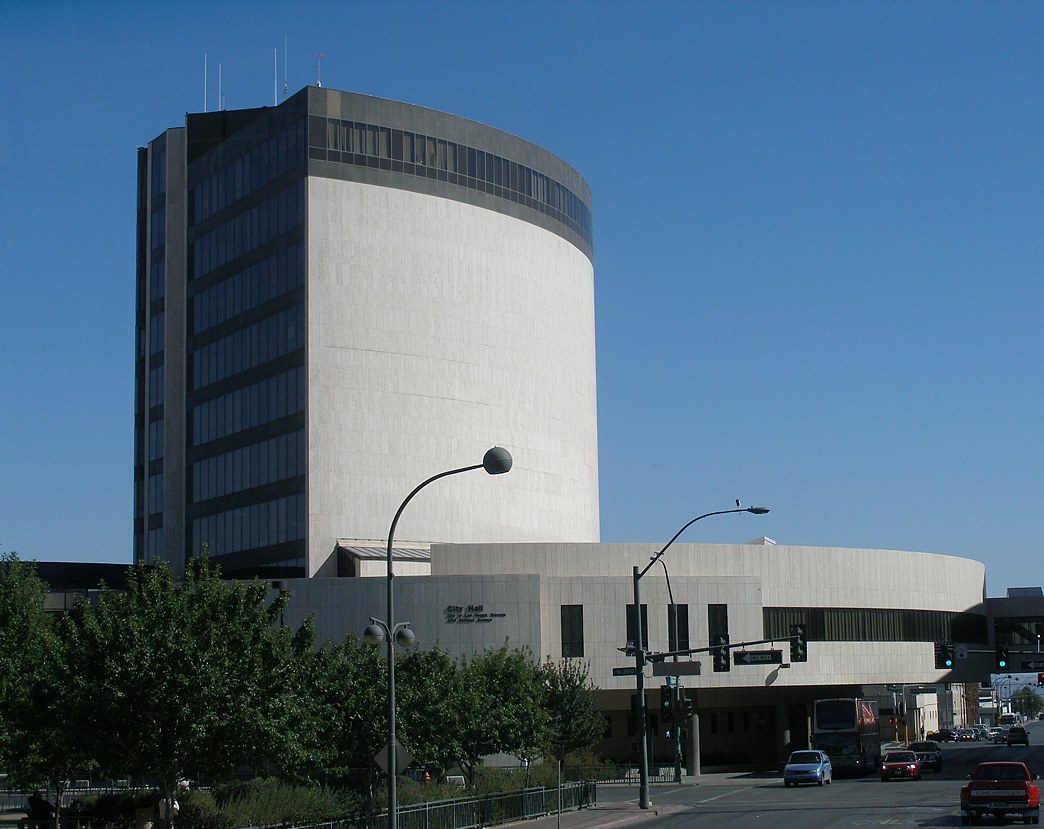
692 761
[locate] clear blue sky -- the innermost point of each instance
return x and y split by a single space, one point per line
819 245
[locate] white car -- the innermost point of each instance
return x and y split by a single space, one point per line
998 735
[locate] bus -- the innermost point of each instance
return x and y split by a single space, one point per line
849 731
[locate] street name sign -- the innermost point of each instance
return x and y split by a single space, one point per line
772 657
630 670
691 668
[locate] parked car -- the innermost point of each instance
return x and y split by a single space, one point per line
998 735
943 735
1017 735
807 767
900 764
929 753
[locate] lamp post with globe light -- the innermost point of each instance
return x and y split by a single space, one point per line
496 461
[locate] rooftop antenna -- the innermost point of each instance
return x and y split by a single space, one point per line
284 66
275 77
204 81
318 68
221 97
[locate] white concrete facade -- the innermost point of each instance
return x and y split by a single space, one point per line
521 588
437 329
485 595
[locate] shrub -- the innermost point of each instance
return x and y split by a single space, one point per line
265 801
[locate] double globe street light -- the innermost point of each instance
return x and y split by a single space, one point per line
496 461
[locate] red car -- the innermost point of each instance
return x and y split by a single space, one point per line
1000 789
900 764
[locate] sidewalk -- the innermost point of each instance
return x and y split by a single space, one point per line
622 809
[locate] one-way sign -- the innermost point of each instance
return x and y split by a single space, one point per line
1033 665
757 657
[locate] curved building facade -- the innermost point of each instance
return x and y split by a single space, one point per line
339 297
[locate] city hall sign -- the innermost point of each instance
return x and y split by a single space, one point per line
460 614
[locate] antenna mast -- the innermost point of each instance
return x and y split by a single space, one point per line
318 68
204 81
284 66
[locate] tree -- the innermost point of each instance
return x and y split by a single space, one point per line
569 697
25 646
427 692
179 679
501 707
1027 701
39 745
348 686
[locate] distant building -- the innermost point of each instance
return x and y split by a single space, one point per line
338 297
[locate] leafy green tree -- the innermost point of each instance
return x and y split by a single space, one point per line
569 696
174 680
25 648
501 707
1027 701
347 683
40 746
427 694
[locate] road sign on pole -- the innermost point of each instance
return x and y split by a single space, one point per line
1033 665
676 668
630 670
772 657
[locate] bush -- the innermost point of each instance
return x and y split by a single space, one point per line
265 801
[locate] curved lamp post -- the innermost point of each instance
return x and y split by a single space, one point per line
644 800
496 461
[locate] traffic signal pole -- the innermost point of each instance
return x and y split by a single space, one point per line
644 801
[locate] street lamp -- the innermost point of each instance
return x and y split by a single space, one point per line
496 461
644 800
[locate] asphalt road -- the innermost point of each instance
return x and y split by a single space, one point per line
740 801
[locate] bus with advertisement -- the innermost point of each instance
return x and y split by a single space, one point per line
849 731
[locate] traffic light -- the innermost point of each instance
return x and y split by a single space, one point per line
1001 652
1040 680
666 700
944 655
721 652
798 644
687 709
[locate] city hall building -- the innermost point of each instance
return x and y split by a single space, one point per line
341 296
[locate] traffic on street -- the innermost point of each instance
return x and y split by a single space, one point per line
738 801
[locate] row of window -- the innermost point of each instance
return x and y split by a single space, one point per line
243 175
154 545
155 440
159 171
158 228
368 145
257 464
847 624
249 347
156 386
157 279
248 230
156 332
824 624
246 528
155 494
250 406
249 288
